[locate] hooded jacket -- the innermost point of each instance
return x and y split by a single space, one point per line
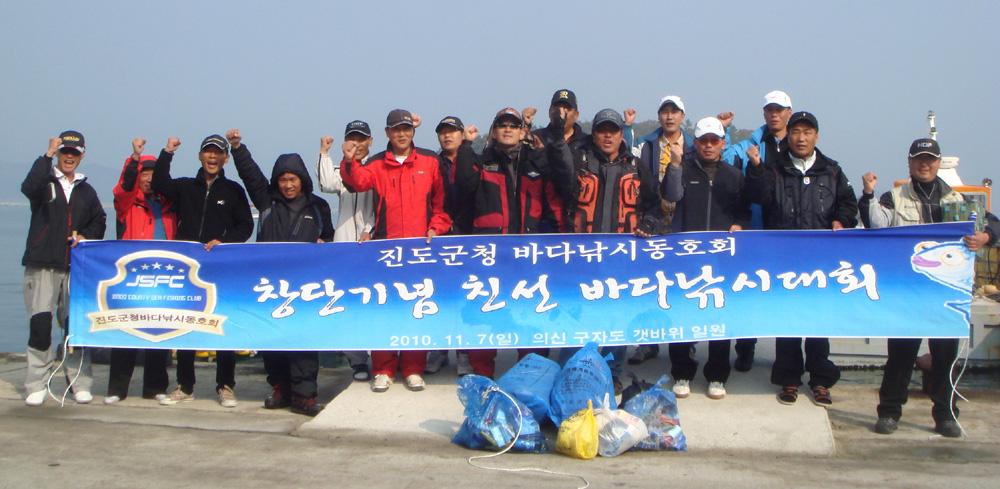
791 200
204 212
134 216
303 220
409 196
613 196
53 220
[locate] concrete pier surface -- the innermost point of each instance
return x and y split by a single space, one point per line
402 439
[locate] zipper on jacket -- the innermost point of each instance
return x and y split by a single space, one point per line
204 208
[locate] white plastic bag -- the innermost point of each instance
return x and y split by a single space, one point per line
617 430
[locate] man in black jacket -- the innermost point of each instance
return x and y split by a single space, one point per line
289 212
64 211
710 197
803 189
563 111
211 209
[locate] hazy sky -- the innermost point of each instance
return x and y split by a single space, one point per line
287 73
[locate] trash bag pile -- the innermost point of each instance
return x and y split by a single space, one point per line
536 389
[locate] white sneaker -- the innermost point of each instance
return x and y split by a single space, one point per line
175 397
111 399
436 360
464 367
415 382
160 397
36 398
682 388
716 390
381 383
83 397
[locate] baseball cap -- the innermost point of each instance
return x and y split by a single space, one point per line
608 115
672 99
709 125
147 162
803 116
450 121
360 127
217 141
508 112
779 98
398 117
925 146
564 96
72 139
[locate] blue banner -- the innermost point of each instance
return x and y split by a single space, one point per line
523 291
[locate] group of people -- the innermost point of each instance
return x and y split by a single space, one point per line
551 179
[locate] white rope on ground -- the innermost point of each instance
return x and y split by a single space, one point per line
964 345
48 382
520 422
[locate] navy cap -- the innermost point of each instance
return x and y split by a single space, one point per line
803 116
217 141
450 121
360 127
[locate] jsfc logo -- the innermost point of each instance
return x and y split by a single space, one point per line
156 295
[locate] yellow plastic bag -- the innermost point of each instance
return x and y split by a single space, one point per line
578 435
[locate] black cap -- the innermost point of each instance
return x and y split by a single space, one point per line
147 162
360 127
803 116
217 141
72 139
450 121
925 146
398 117
608 115
564 96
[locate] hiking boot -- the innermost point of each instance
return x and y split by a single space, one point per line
744 361
381 383
415 382
226 397
948 429
788 395
464 367
306 405
682 388
716 390
436 360
176 396
361 372
279 397
641 354
821 396
36 398
885 426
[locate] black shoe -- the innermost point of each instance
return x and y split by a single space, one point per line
949 429
306 405
744 362
885 426
788 395
279 398
641 354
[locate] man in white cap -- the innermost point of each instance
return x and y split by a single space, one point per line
709 196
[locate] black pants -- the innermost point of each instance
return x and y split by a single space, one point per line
746 346
225 369
154 372
899 368
788 366
297 369
683 367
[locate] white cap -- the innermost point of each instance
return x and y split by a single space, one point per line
709 125
778 97
672 99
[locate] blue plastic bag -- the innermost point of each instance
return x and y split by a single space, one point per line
657 408
586 377
530 381
492 419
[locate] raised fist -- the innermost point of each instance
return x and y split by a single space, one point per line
325 143
471 132
234 138
869 180
629 116
416 120
753 153
137 145
172 144
726 118
528 115
350 148
53 147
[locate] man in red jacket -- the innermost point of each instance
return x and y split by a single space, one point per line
409 198
141 214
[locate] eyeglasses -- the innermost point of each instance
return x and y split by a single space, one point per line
512 125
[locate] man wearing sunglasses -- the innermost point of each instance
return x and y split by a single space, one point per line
64 211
